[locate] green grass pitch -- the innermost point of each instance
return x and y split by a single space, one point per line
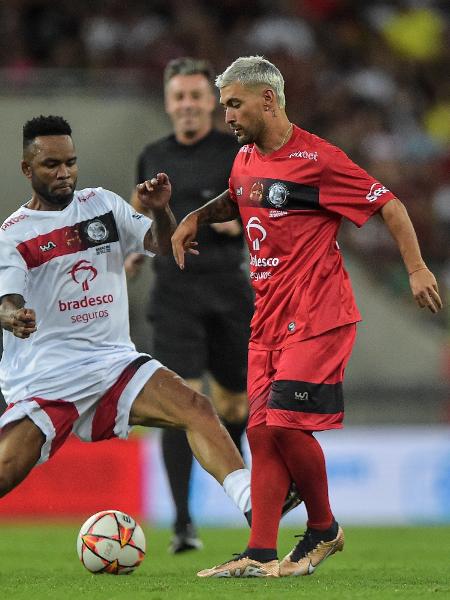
40 562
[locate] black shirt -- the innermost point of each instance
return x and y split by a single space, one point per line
198 173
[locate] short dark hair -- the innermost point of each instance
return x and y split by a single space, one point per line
50 125
189 66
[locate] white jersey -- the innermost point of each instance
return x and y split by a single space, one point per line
68 265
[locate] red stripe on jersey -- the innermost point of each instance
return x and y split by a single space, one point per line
62 415
104 419
100 229
58 242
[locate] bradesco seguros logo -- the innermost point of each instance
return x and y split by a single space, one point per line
256 232
83 272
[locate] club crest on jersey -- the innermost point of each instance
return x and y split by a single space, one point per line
83 272
96 231
278 194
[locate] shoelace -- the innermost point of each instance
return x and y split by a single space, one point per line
236 556
305 545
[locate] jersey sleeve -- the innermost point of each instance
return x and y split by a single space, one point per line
132 226
13 270
346 189
233 173
231 190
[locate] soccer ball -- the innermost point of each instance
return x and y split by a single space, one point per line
111 542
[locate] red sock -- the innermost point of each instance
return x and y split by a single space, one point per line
304 458
269 486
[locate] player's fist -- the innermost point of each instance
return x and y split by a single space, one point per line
22 322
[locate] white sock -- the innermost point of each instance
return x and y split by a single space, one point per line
237 486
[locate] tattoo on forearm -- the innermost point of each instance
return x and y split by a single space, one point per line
219 210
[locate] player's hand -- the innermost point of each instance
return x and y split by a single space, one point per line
183 239
21 322
154 194
133 264
425 290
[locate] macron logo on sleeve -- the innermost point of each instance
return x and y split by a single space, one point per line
376 190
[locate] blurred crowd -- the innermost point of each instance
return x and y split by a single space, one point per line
370 76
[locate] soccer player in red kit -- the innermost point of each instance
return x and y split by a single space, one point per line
292 190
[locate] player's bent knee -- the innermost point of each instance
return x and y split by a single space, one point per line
166 400
200 408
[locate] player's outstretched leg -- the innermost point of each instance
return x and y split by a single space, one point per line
167 401
314 547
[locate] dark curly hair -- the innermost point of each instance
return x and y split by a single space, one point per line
50 125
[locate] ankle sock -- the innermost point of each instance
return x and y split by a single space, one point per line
262 554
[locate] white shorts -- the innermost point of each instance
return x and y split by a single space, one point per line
101 413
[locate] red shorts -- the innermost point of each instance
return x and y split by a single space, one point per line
300 386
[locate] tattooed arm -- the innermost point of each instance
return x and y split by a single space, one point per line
218 210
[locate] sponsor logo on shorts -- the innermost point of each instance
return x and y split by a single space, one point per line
376 190
302 396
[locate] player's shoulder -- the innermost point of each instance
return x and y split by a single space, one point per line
316 143
323 148
14 221
95 195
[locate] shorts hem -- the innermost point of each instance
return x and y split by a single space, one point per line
129 395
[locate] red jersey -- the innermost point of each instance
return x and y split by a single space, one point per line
292 203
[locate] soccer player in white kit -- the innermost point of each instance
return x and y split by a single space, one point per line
68 363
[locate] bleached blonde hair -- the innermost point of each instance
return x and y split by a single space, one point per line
252 71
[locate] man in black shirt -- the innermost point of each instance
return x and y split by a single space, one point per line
200 316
